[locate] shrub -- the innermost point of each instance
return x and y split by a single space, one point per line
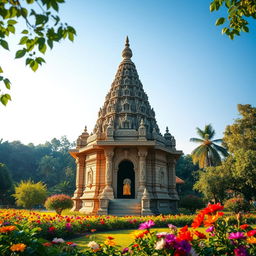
192 203
29 194
237 204
58 203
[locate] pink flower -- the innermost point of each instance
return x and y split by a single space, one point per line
236 235
210 229
146 225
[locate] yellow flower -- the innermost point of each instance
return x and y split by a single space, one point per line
110 242
251 240
18 247
139 233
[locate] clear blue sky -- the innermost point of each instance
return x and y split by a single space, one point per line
192 74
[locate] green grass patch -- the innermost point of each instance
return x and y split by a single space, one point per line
123 238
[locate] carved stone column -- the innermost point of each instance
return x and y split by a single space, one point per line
108 190
80 166
142 171
171 162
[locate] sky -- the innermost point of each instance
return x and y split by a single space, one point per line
192 74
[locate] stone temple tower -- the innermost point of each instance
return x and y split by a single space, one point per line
126 166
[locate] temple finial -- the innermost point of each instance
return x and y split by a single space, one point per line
127 52
127 41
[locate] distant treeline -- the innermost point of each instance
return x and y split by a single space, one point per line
49 162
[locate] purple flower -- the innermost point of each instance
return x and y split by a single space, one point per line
68 226
125 250
170 238
210 229
236 235
183 246
146 225
240 251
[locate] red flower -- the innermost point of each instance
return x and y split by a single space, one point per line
93 230
212 208
251 232
198 220
47 244
135 245
244 226
200 235
110 238
51 229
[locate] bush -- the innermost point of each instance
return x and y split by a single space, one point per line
58 203
191 203
29 194
237 204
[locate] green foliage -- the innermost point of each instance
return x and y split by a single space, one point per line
240 141
237 204
30 161
6 182
192 203
208 153
239 14
186 170
242 134
213 183
58 203
29 194
43 28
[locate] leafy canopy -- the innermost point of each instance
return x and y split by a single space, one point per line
208 152
41 28
239 12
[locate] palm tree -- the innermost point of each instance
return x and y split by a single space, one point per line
207 153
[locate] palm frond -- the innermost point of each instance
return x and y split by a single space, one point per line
221 149
209 130
214 157
200 132
217 141
197 140
199 154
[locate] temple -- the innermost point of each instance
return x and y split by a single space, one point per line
126 166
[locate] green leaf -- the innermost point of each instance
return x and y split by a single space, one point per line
39 60
30 1
23 40
24 31
245 29
20 53
7 83
42 48
34 65
1 70
11 22
212 6
220 21
50 43
11 28
4 44
71 36
1 78
5 98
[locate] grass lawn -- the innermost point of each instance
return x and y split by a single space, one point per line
122 237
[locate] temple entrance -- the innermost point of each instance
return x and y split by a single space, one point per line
126 180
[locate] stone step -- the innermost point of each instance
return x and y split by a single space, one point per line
124 207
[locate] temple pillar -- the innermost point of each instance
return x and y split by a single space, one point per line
171 163
142 153
80 166
108 190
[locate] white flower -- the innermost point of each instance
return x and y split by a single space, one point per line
58 240
161 234
160 244
193 252
93 245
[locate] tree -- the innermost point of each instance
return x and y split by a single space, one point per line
242 134
5 182
29 194
41 28
207 154
239 13
213 183
186 170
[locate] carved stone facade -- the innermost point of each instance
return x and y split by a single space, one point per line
126 144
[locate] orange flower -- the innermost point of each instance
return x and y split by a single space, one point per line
211 219
198 220
18 247
139 233
110 242
251 240
244 226
6 229
185 234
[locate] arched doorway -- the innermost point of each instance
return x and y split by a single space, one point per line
126 180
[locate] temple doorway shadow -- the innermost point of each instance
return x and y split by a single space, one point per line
126 180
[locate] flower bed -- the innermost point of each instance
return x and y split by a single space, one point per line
22 233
